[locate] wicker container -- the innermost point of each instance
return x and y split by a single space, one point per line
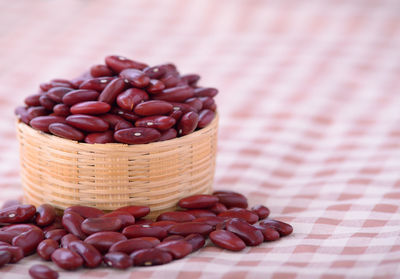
63 172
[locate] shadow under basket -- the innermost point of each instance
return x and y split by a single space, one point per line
63 172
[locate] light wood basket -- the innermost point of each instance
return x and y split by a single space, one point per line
63 172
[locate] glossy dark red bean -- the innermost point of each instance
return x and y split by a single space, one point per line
127 115
97 84
2 243
158 122
5 258
90 255
198 213
46 214
155 86
172 238
94 225
67 259
227 240
42 123
134 231
61 110
205 92
78 96
164 224
176 114
195 103
112 90
261 210
102 241
56 83
269 233
17 229
196 240
151 239
231 199
46 248
188 123
182 107
66 131
128 99
144 222
137 135
131 245
198 201
119 63
28 241
176 216
168 134
118 260
90 107
170 80
9 203
149 257
218 208
55 225
206 116
126 218
6 236
185 229
208 103
100 70
154 72
249 234
101 137
177 248
67 239
46 102
40 271
85 211
175 94
16 252
116 122
17 213
88 123
56 234
72 223
36 111
241 213
57 93
22 114
154 107
33 100
135 77
190 79
284 229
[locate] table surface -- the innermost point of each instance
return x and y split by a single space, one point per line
310 120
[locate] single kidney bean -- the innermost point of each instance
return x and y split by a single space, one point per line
168 134
56 225
6 236
190 79
198 213
5 258
152 256
188 123
231 199
33 100
176 114
17 213
227 240
67 239
46 214
172 237
102 137
78 96
17 229
125 217
28 241
56 234
128 99
154 72
46 248
158 122
46 102
261 210
94 225
208 103
90 107
185 229
270 234
116 122
137 135
175 94
176 216
249 234
112 90
241 213
144 222
205 118
118 260
170 80
102 241
198 201
57 93
66 131
155 86
177 248
284 229
205 92
85 211
97 84
91 257
61 110
119 63
42 123
87 123
127 115
131 245
135 77
67 259
218 208
100 71
165 224
154 107
56 83
40 271
134 231
195 103
151 239
182 107
22 114
36 111
16 252
196 240
72 223
10 203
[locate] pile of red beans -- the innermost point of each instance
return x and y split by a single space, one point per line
86 236
122 101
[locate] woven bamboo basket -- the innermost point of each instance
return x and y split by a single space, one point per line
63 172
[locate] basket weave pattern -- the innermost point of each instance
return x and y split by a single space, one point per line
62 172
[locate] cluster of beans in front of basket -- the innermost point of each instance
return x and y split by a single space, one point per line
86 236
122 101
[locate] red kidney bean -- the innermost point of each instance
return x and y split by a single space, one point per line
94 225
5 258
185 229
97 84
67 239
144 222
56 225
165 224
261 210
2 243
127 115
103 137
155 86
118 260
157 122
116 122
78 96
87 123
205 118
154 107
57 93
177 248
128 99
56 83
231 199
175 94
22 114
131 245
227 240
125 217
154 72
176 216
135 77
249 234
46 102
6 236
218 208
270 234
40 271
90 107
55 234
66 131
10 203
168 134
28 241
123 125
67 259
205 92
196 240
182 107
46 214
17 213
172 237
208 103
42 122
72 223
19 228
32 100
112 90
176 114
195 103
61 110
85 211
152 256
100 71
137 135
91 257
241 213
284 229
198 201
119 63
188 123
102 241
151 239
170 80
46 248
16 252
198 213
190 79
134 231
36 111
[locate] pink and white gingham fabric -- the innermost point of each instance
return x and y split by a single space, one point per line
310 117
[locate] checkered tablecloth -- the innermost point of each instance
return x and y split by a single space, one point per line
310 117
